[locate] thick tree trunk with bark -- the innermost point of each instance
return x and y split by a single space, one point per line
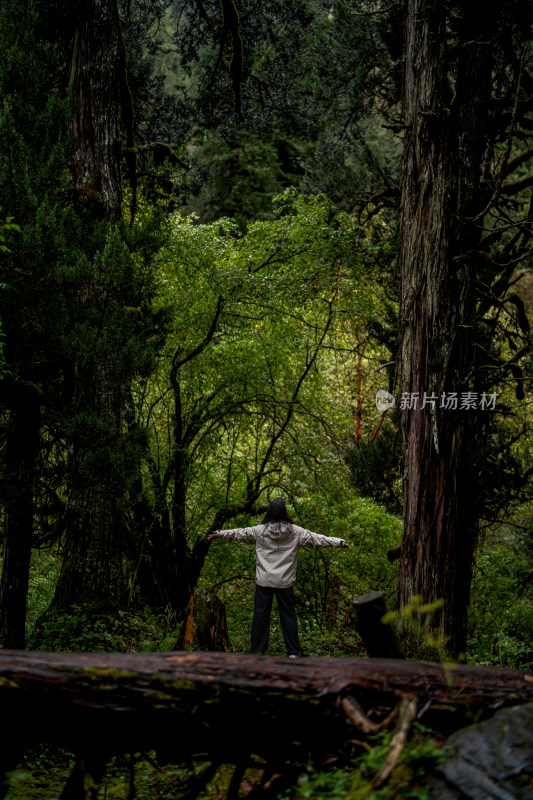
232 705
22 449
185 582
443 152
91 573
95 77
91 570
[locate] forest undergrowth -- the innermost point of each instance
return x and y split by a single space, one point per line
500 629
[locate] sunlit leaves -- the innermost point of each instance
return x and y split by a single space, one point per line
259 325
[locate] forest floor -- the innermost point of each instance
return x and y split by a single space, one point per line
44 771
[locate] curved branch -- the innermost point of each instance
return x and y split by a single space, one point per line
292 403
179 362
517 186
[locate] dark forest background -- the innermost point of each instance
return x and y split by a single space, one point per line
224 226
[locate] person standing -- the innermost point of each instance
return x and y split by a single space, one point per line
277 543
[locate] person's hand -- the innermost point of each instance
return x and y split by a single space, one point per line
212 536
345 544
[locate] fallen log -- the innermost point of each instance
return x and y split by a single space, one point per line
201 702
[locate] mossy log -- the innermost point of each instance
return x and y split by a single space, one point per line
202 702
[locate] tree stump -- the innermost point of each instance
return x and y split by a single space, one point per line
378 638
206 624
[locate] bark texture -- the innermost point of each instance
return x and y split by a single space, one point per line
91 570
22 449
273 706
96 78
91 574
443 152
206 624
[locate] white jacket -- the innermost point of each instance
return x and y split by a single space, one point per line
276 548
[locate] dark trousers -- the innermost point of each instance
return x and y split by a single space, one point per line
287 617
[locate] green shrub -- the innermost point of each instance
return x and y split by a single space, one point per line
79 632
501 612
328 578
418 760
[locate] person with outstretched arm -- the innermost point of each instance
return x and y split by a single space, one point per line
277 543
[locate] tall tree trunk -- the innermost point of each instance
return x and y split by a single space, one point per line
185 584
444 146
22 449
96 79
91 573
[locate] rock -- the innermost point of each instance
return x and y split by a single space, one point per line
490 761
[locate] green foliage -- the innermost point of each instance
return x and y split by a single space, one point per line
414 625
328 579
260 325
44 571
266 327
418 760
6 226
77 631
501 616
238 179
32 127
45 770
41 775
79 299
310 85
375 468
33 114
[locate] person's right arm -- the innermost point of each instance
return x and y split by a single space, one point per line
236 535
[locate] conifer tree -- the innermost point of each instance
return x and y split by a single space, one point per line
466 70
